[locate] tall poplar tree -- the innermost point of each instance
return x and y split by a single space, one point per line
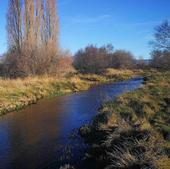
14 25
33 31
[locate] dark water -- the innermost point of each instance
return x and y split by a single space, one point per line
45 135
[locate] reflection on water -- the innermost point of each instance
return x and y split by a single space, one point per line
43 135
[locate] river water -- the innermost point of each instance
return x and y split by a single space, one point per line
45 136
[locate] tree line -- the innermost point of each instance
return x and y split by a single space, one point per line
34 49
33 36
92 59
95 60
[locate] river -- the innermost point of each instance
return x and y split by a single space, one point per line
44 135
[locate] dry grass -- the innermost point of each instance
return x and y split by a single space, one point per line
15 94
164 163
138 127
122 74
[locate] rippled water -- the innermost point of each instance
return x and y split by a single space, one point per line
44 135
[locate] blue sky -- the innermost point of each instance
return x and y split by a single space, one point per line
127 24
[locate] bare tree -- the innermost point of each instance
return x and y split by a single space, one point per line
33 30
161 59
122 59
93 59
162 37
52 21
161 46
14 25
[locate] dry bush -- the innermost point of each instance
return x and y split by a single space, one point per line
65 63
96 60
93 59
122 59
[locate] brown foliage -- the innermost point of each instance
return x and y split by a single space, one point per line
92 59
161 59
122 59
96 60
65 63
33 31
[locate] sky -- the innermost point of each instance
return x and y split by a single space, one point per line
127 24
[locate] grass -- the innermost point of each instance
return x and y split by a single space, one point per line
18 93
137 130
15 94
148 104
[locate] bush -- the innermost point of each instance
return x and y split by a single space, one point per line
161 59
122 59
92 59
96 60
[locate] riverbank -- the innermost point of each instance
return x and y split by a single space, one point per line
134 130
18 93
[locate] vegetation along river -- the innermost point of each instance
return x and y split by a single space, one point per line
45 135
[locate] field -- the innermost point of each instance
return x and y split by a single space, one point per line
18 93
134 130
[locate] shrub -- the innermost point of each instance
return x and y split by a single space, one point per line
92 59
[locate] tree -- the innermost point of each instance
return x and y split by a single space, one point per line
52 21
93 59
96 60
162 37
122 59
161 46
14 25
33 30
161 59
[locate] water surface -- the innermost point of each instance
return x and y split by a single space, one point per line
44 135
